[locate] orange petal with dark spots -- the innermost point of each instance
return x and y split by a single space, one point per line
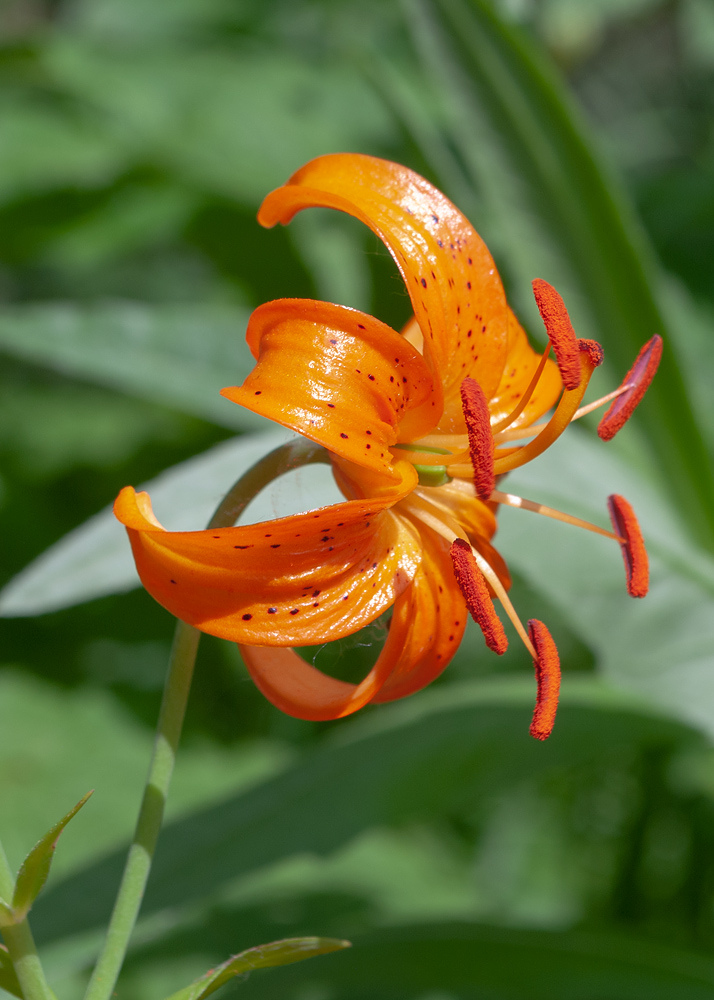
478 428
294 580
450 276
472 585
560 332
634 553
639 378
336 376
547 668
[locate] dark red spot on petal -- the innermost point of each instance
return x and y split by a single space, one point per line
247 618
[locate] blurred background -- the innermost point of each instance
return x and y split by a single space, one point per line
463 859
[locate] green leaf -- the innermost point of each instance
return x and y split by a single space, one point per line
179 355
7 917
8 976
95 559
263 956
553 210
377 771
660 647
36 866
470 962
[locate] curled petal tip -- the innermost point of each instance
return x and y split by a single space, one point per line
473 586
560 332
634 553
481 445
638 378
547 668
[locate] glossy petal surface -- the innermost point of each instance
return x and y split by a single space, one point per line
337 376
450 275
291 581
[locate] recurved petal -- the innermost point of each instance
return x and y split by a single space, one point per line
428 623
337 376
451 278
294 581
521 363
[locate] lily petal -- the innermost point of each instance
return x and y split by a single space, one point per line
428 622
337 376
286 582
521 363
451 278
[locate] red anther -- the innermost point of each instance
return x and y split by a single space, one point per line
560 331
547 668
478 427
639 377
624 524
472 585
593 350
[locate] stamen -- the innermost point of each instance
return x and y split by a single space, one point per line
632 544
560 331
547 668
511 500
473 586
525 398
639 378
525 432
478 427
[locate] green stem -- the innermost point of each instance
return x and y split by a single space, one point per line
168 732
21 944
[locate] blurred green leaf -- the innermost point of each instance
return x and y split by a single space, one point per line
264 956
95 559
413 761
178 355
662 646
471 962
8 977
36 866
550 207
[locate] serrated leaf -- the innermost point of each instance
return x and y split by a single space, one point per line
36 866
8 977
552 209
95 559
264 956
181 356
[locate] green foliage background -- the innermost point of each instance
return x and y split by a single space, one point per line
462 858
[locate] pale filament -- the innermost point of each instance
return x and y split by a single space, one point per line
516 433
523 402
437 525
511 500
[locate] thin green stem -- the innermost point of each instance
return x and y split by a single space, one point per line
21 944
168 731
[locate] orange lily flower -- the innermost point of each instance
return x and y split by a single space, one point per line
419 427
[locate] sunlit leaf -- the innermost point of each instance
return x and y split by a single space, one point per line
36 866
264 956
179 355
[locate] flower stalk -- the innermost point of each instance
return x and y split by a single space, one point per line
168 733
21 945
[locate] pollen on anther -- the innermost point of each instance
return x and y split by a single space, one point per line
473 586
634 553
560 332
638 378
547 668
481 446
